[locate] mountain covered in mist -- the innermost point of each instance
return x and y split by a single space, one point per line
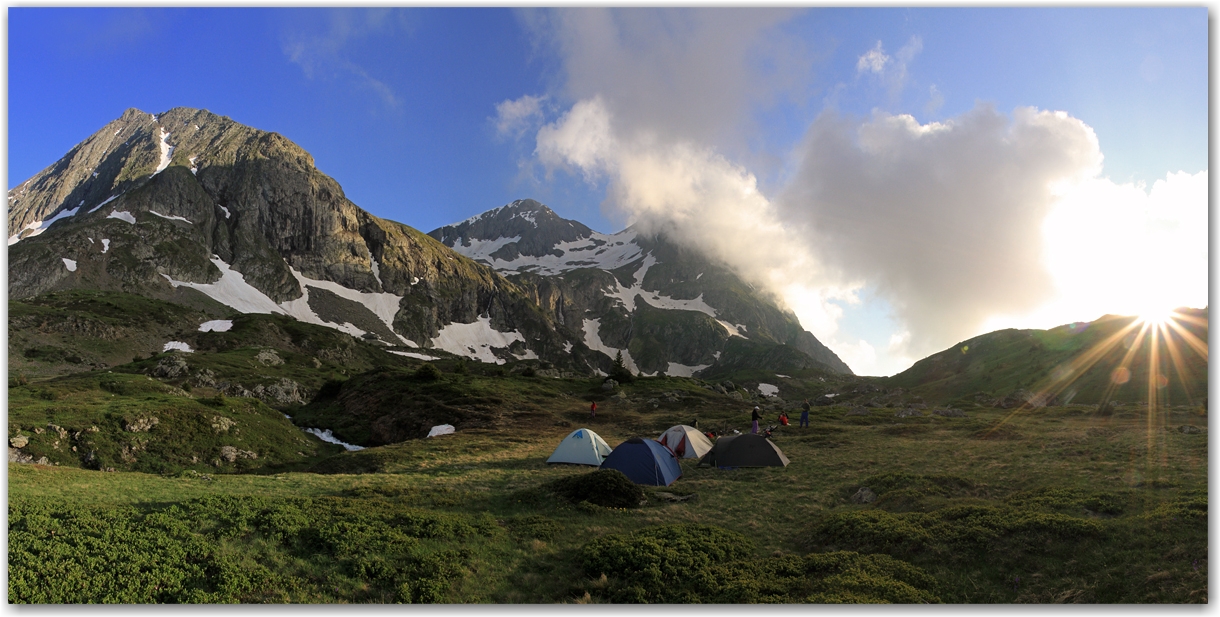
193 208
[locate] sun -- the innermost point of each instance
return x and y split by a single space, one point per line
1157 316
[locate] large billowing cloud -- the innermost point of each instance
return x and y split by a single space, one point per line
951 223
944 219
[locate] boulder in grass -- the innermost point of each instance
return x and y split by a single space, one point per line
864 495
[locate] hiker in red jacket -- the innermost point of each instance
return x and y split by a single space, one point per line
593 411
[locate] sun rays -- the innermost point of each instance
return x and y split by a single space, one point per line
1164 337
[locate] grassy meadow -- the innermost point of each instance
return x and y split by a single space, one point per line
1056 504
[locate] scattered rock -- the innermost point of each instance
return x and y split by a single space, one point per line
268 357
230 454
18 441
609 385
918 406
171 367
728 385
222 424
909 412
864 495
1189 429
316 362
719 388
670 497
92 429
949 413
205 378
735 395
283 392
37 431
140 425
61 431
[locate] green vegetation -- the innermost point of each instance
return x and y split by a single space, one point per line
989 505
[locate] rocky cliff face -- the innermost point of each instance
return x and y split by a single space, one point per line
174 204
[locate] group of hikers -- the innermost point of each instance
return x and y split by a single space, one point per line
755 416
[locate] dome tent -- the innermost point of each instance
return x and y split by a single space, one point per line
581 447
685 441
744 451
644 461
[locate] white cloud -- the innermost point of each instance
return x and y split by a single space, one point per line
515 117
944 218
317 42
873 61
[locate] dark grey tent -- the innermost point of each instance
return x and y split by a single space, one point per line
744 451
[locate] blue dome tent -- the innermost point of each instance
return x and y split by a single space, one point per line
644 461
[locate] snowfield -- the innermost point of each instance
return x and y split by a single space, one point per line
177 346
122 215
166 216
69 264
475 340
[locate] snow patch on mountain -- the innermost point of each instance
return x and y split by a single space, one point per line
383 305
108 200
37 227
481 250
682 370
122 215
733 330
593 341
172 218
226 210
767 389
216 325
232 290
627 296
70 264
105 244
475 340
177 346
167 152
194 170
411 354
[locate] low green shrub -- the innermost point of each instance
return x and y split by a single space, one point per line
608 488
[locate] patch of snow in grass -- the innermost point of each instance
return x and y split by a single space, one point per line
172 218
682 370
475 340
440 429
784 376
216 325
177 346
329 437
122 215
411 354
768 390
69 264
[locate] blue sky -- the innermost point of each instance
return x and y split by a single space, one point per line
401 108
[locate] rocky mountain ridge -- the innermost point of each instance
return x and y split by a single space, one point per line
197 209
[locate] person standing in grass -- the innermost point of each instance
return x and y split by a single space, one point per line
805 414
593 410
754 415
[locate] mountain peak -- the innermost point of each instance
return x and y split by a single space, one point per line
523 227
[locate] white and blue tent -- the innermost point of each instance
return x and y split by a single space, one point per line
581 447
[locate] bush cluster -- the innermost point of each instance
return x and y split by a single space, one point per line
219 549
608 488
691 563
